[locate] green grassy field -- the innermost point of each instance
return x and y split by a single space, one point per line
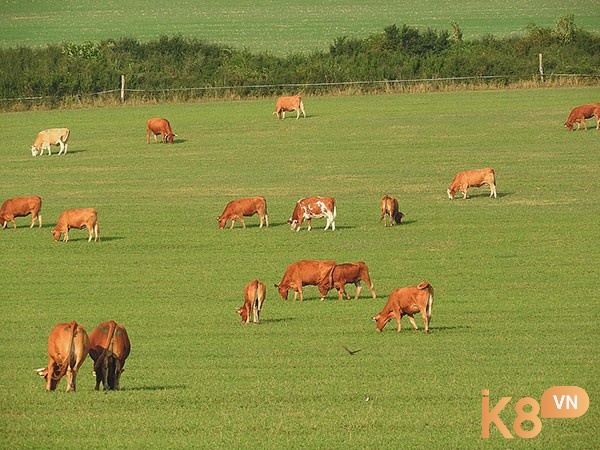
516 304
279 27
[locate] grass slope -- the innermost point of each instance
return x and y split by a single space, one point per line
279 27
515 310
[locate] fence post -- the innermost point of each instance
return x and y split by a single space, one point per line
122 88
541 66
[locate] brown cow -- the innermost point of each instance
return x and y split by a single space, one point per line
254 296
45 139
291 103
244 207
473 178
351 273
389 209
68 346
109 348
304 273
313 208
21 207
159 126
580 113
407 301
77 218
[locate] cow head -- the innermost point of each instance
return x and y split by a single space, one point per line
34 151
569 125
382 319
451 193
56 234
222 222
244 313
293 224
43 372
282 291
168 138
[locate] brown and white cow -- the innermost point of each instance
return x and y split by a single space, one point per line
473 178
313 208
580 113
290 103
306 273
407 301
254 295
159 126
244 207
389 210
68 346
343 274
109 348
77 218
47 138
21 207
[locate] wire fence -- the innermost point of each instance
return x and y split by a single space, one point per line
123 91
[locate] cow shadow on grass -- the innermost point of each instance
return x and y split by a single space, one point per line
484 195
156 388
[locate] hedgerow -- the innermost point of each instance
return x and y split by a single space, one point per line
180 68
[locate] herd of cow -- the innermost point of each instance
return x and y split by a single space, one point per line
108 345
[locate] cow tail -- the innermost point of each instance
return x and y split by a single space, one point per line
62 369
67 136
429 300
108 346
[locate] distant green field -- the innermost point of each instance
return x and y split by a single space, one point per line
516 305
277 26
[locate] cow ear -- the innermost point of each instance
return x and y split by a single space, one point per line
423 285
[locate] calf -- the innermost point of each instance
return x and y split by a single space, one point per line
245 207
254 296
407 301
343 274
580 113
389 210
68 346
291 103
77 218
473 178
109 348
21 207
304 273
160 126
47 138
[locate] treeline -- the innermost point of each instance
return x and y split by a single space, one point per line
180 68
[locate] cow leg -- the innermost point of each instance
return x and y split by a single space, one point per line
62 147
399 319
412 322
118 371
358 289
493 191
71 379
308 224
426 320
243 223
232 224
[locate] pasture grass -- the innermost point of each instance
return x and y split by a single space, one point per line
515 311
267 25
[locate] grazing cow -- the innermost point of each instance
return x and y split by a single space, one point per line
47 138
580 113
159 126
351 273
77 218
407 301
244 207
473 178
313 208
304 273
389 209
109 348
68 346
292 103
21 207
254 296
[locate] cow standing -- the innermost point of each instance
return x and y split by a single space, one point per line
160 126
389 210
580 113
21 207
290 103
407 301
244 207
68 346
109 348
473 178
77 218
254 295
47 138
313 208
305 273
343 274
